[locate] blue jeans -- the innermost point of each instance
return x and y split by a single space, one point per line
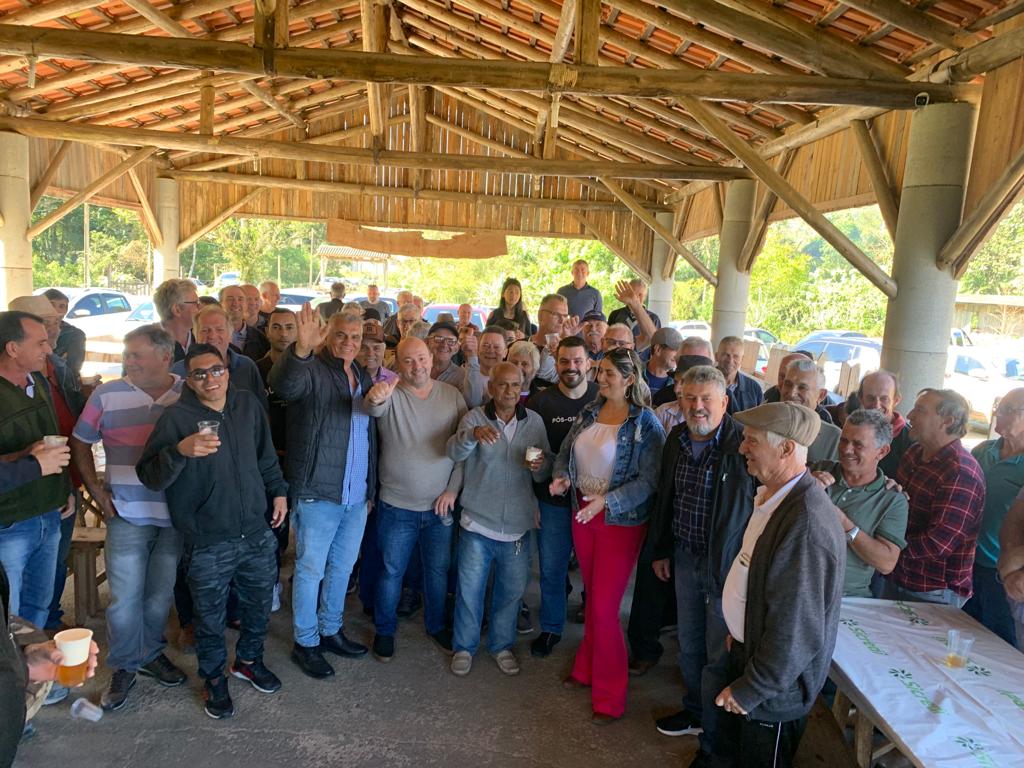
251 564
989 604
327 538
55 614
28 553
142 564
940 596
511 561
554 546
398 533
702 656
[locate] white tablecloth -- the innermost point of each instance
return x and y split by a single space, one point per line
890 656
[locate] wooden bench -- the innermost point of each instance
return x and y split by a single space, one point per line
87 541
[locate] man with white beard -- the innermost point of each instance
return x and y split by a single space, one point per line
698 520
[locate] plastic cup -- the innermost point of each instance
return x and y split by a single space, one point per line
83 709
552 339
533 454
73 645
51 441
958 648
209 428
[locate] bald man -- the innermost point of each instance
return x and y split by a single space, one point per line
418 486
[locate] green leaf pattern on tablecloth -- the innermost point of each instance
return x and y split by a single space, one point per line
858 631
915 689
977 750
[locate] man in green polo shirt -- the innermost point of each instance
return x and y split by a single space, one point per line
1002 461
873 516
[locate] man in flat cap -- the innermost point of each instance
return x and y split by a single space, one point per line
782 595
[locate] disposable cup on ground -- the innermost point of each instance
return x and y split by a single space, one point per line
83 709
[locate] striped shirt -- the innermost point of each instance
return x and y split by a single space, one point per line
122 416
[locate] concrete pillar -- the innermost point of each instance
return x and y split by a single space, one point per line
659 293
729 316
15 248
918 320
165 258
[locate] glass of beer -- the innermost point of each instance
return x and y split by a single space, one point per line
958 648
73 645
51 441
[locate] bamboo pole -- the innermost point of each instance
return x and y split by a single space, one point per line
220 218
47 176
118 170
872 160
774 181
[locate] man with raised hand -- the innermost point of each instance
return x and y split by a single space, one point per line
419 484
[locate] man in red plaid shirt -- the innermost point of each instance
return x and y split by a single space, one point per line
947 496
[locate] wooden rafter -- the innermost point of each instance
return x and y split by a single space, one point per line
806 210
220 218
755 237
315 64
918 22
872 158
146 210
373 15
592 229
47 176
588 24
117 171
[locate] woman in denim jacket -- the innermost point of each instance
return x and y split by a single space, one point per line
610 460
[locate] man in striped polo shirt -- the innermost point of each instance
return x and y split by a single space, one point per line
142 548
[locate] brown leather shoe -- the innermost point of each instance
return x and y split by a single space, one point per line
600 718
638 667
572 682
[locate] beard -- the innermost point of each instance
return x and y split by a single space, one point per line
701 428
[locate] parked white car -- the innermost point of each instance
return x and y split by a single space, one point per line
980 375
94 309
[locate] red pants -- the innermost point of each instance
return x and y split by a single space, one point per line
607 556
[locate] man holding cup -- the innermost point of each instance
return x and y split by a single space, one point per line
142 547
217 495
503 447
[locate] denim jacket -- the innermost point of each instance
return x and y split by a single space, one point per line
637 461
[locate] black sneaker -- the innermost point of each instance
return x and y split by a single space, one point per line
545 643
679 724
256 672
218 701
115 697
409 604
341 646
443 639
311 661
164 672
384 648
523 624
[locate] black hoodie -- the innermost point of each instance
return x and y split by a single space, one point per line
222 496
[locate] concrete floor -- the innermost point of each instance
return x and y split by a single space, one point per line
409 712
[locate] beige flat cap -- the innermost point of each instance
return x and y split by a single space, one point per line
792 421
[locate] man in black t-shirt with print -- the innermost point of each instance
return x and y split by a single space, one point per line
558 406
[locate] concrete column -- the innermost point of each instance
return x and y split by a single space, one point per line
165 258
659 293
15 248
729 316
918 320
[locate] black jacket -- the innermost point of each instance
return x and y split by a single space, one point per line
256 344
319 419
794 595
731 505
70 346
748 394
222 496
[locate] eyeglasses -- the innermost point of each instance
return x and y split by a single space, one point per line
196 302
616 343
441 341
1005 410
200 374
559 315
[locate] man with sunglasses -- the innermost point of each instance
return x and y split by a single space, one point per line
443 342
553 324
213 456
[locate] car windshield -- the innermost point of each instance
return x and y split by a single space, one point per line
143 313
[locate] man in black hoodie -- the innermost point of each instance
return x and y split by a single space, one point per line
217 477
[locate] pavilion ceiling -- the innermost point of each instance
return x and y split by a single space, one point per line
538 100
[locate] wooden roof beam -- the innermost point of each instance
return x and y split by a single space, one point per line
873 160
804 208
37 14
588 25
441 195
626 257
917 22
373 15
47 176
146 211
755 237
285 150
317 64
545 136
220 218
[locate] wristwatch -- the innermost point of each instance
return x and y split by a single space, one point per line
852 533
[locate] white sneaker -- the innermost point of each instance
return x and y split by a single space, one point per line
462 662
275 603
507 662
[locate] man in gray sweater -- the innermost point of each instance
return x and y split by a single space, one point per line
418 487
782 596
504 448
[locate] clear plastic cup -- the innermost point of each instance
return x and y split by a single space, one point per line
83 709
51 441
533 453
958 648
209 428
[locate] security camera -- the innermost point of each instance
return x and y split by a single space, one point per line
922 100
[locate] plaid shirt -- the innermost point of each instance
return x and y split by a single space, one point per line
947 497
694 493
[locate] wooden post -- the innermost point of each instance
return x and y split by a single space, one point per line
875 166
774 181
206 97
588 23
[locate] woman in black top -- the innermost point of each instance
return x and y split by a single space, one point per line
510 306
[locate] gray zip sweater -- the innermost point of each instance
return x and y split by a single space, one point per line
497 489
794 593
